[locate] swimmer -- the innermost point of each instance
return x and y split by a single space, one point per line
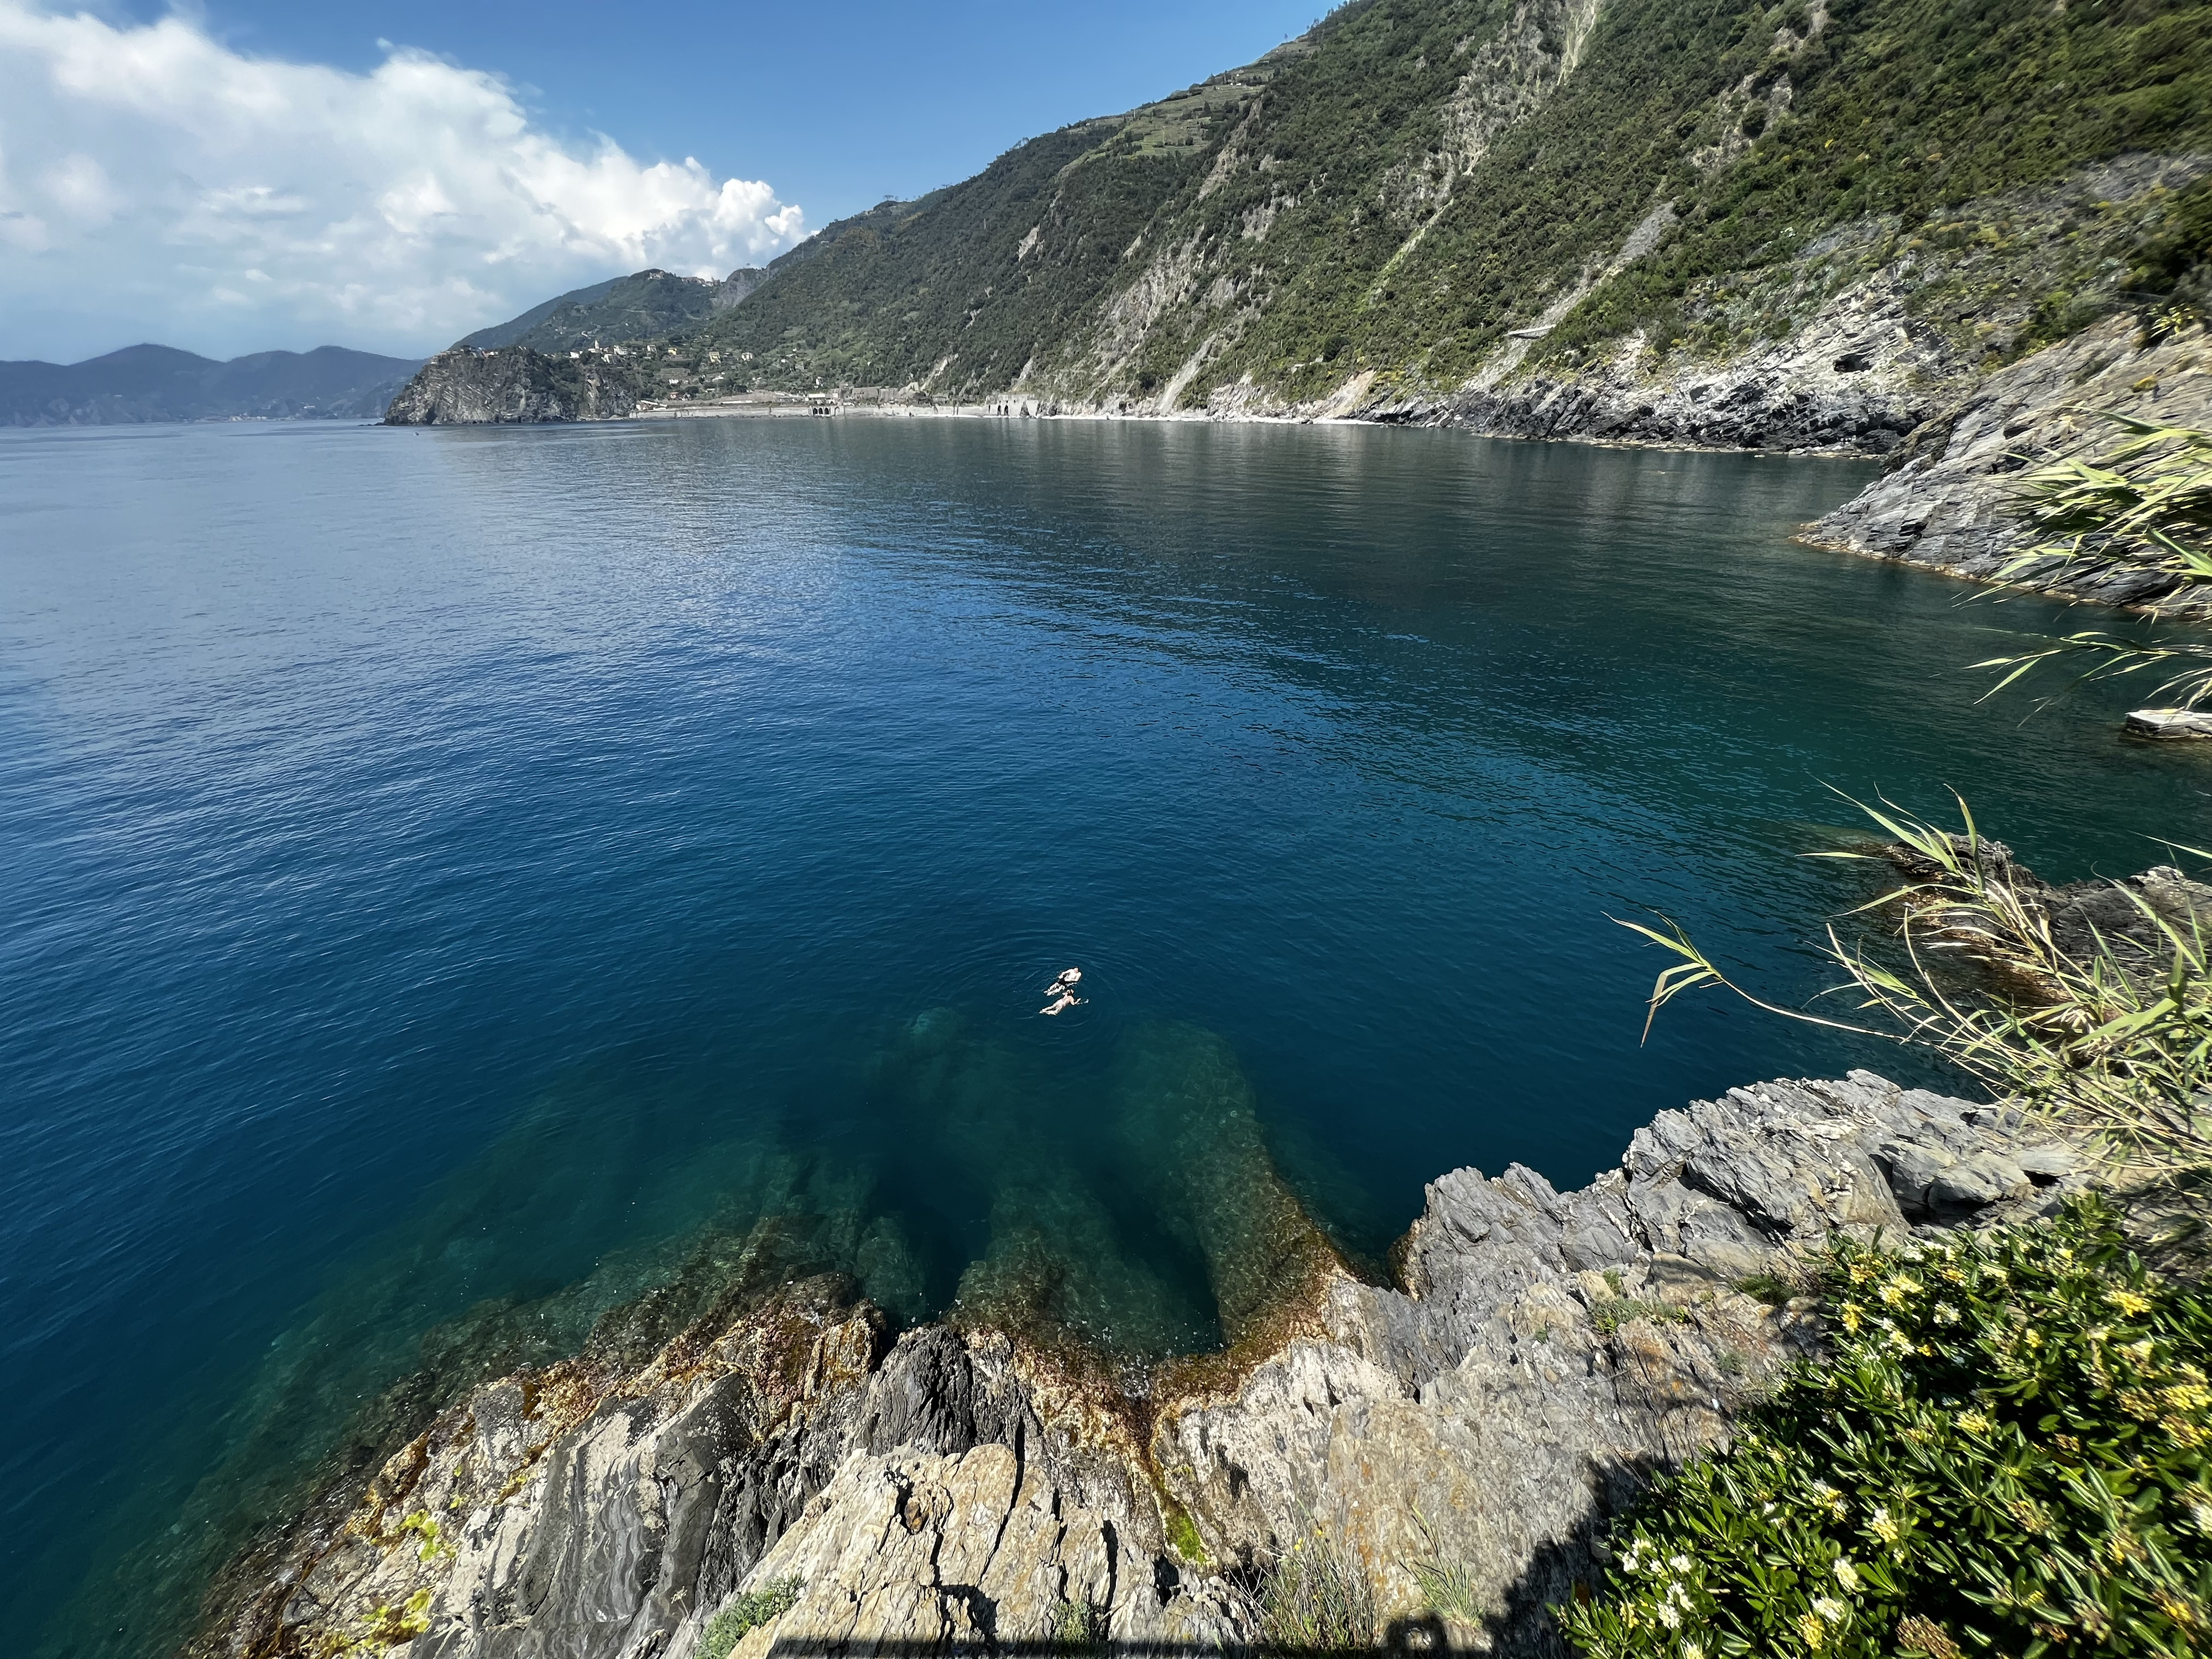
1068 978
1065 1000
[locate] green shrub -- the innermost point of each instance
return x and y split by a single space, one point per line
1077 1626
1772 1289
2143 504
1317 1597
1447 1584
742 1614
2005 1452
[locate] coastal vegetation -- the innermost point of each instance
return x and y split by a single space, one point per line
1399 188
2106 1025
1318 1598
2007 1450
2106 1029
742 1614
2144 504
2008 1447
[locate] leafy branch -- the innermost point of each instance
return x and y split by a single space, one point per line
2114 1041
2144 505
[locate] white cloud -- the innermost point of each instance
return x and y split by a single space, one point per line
154 185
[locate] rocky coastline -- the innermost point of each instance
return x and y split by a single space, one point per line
1850 385
1535 1358
1946 502
465 386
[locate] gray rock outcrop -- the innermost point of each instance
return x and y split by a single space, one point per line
1949 503
966 1489
514 385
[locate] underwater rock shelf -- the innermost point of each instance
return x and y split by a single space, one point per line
969 1487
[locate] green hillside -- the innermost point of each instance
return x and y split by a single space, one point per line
641 306
1398 190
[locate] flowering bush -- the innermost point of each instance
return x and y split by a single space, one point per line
2007 1452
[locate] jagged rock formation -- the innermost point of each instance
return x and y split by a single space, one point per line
464 386
1948 504
972 1488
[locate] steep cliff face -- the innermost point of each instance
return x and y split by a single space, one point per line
464 386
1548 215
1806 225
1854 344
967 1487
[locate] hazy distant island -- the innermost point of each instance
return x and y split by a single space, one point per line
143 383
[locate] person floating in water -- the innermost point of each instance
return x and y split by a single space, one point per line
1061 992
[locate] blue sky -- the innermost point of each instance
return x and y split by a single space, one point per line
837 106
237 175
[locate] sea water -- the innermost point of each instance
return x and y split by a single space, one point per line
455 882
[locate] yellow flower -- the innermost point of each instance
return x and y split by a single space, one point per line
1975 1421
1852 1317
2183 1613
2139 1403
1811 1632
2128 1301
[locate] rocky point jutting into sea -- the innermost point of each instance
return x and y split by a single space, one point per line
1530 1360
1538 1356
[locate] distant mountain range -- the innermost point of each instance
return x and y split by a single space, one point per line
641 306
159 383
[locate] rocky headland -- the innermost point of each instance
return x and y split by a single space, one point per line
465 386
1948 501
1536 1355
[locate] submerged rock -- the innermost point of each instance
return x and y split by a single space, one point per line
1542 1354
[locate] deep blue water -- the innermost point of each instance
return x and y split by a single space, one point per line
446 876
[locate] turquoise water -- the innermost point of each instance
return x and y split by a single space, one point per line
453 881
